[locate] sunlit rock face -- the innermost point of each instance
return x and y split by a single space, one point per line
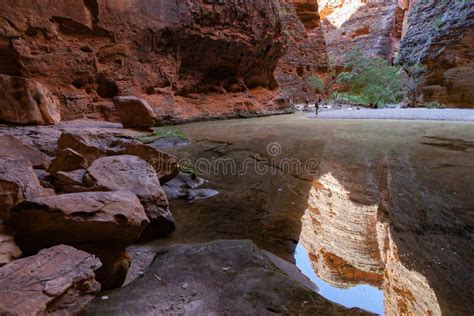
339 226
306 55
186 58
373 26
395 224
440 34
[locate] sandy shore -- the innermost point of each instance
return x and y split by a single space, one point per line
464 115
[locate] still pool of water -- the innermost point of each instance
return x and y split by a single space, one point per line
363 296
407 185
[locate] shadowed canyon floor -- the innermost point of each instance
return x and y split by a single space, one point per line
384 203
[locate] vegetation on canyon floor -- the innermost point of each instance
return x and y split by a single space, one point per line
161 133
374 82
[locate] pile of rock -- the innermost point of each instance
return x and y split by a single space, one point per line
72 216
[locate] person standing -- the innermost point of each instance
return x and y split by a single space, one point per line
316 105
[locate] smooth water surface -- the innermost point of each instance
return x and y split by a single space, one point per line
364 296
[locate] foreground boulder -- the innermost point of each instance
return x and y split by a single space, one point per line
187 187
135 112
70 181
11 147
9 251
67 160
18 182
211 279
59 280
24 101
115 217
95 145
115 264
133 174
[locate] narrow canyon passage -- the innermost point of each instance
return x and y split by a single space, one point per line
239 157
380 203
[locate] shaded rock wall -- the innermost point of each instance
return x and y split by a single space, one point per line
186 58
306 55
440 34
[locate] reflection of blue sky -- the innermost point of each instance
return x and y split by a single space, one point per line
366 297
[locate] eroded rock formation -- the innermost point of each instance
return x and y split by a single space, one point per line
135 112
131 173
94 145
9 250
372 26
440 35
115 217
24 101
58 280
13 148
18 182
306 56
186 58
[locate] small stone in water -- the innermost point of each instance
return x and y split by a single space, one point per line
104 297
225 269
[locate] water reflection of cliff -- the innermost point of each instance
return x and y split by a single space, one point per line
362 226
339 236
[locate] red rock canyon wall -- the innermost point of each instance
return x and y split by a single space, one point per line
306 55
186 58
373 26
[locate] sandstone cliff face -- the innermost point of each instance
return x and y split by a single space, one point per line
440 35
373 26
186 58
306 55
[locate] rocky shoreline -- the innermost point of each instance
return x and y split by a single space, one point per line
75 196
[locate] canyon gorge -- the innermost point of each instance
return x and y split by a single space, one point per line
153 161
202 59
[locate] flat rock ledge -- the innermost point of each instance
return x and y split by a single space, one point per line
225 277
59 280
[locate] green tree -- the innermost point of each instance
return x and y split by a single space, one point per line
315 83
373 80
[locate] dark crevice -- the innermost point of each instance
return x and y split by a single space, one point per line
93 8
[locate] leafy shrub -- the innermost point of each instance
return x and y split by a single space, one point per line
373 80
187 170
315 83
345 97
160 133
